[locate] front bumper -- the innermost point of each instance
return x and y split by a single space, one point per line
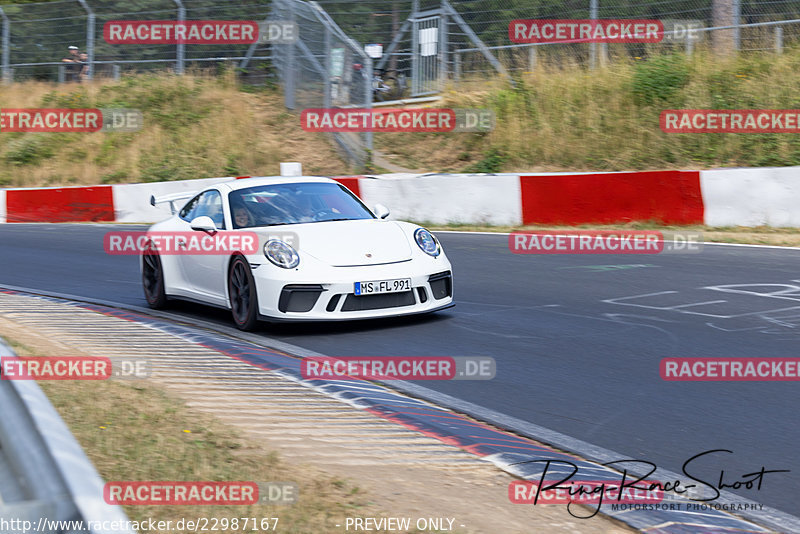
305 299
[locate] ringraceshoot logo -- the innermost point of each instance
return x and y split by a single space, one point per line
397 120
730 121
135 243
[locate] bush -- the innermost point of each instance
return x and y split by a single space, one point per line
659 78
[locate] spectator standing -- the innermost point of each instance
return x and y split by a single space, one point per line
73 64
84 61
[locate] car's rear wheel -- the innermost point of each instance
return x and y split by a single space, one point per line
153 281
242 294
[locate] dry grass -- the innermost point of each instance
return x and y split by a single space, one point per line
561 117
564 117
194 127
136 432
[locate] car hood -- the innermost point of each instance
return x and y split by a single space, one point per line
353 243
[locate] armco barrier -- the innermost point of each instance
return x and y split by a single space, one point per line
447 198
752 197
669 197
746 197
67 204
132 201
46 475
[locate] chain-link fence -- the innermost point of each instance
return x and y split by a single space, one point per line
36 37
323 69
417 46
746 25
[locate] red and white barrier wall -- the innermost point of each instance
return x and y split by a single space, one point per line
725 197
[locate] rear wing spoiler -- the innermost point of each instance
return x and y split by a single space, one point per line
172 199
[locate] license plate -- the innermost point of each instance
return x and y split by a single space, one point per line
383 286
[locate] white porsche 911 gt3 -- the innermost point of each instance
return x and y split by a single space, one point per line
321 255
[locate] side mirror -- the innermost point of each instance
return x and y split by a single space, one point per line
204 224
381 211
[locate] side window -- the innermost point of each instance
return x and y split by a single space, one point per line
188 211
210 205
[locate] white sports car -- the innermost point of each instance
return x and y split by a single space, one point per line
321 255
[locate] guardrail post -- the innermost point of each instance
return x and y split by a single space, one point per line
62 74
89 37
115 71
532 58
180 50
6 47
779 39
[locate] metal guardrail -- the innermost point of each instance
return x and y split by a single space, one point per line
45 477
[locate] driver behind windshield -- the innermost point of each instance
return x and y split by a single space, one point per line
242 218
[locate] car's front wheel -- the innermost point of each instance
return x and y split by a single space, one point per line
153 281
242 294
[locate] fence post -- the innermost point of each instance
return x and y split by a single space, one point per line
6 47
115 71
457 62
327 98
689 44
289 72
532 58
779 39
593 14
443 46
181 48
61 73
737 10
89 37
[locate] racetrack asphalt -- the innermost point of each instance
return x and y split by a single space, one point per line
577 339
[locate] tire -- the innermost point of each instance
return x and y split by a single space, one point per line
242 294
395 89
153 281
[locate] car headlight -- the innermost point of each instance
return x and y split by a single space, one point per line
281 254
427 242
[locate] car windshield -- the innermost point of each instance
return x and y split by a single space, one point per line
277 204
